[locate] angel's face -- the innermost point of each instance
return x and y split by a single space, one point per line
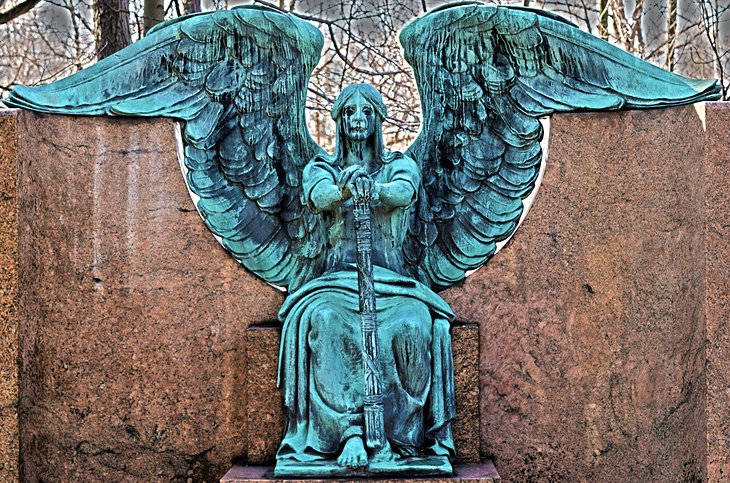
358 116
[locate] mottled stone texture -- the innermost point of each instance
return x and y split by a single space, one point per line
132 318
592 330
265 411
592 319
717 233
266 415
465 345
8 295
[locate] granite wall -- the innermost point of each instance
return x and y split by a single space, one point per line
717 290
592 321
132 318
8 306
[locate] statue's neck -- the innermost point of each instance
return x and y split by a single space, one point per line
360 153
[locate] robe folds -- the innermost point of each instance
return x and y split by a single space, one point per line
321 368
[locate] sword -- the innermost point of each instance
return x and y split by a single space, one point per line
373 404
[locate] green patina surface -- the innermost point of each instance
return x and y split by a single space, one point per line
284 208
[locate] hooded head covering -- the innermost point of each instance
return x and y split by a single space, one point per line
375 99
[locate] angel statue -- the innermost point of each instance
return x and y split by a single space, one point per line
363 238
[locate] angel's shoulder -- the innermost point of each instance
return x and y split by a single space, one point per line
401 166
396 160
320 165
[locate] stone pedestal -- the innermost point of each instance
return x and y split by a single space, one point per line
483 472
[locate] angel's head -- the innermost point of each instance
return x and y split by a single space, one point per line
359 112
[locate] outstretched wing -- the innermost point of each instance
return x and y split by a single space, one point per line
485 75
238 79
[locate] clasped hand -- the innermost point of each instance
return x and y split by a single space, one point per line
356 181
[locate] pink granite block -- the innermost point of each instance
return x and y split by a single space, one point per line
717 287
264 411
591 319
134 352
483 472
8 299
132 317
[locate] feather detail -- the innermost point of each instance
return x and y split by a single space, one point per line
238 79
486 74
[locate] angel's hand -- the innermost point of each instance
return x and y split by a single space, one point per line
349 174
364 188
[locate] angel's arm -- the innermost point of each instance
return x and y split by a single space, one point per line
396 194
320 189
325 197
402 188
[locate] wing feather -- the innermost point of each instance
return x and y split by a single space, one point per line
238 80
485 75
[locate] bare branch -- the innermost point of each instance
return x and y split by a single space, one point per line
18 10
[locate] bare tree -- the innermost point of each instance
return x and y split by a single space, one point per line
671 35
50 42
192 6
603 19
17 10
689 37
111 26
154 13
711 15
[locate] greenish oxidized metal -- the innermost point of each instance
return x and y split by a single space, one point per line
364 237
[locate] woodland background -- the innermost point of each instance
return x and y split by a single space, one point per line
44 40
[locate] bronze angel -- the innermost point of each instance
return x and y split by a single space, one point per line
283 207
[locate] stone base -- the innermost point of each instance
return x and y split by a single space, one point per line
412 466
484 472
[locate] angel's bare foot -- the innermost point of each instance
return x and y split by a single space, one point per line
353 454
385 454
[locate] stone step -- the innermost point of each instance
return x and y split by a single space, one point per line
483 472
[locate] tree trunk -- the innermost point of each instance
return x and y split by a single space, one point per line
603 19
637 29
111 26
192 6
671 35
154 13
18 10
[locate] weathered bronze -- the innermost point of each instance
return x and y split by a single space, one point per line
364 237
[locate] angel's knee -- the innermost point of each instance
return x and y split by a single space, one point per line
325 318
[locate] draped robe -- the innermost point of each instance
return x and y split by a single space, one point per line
320 360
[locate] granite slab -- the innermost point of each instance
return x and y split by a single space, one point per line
483 472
